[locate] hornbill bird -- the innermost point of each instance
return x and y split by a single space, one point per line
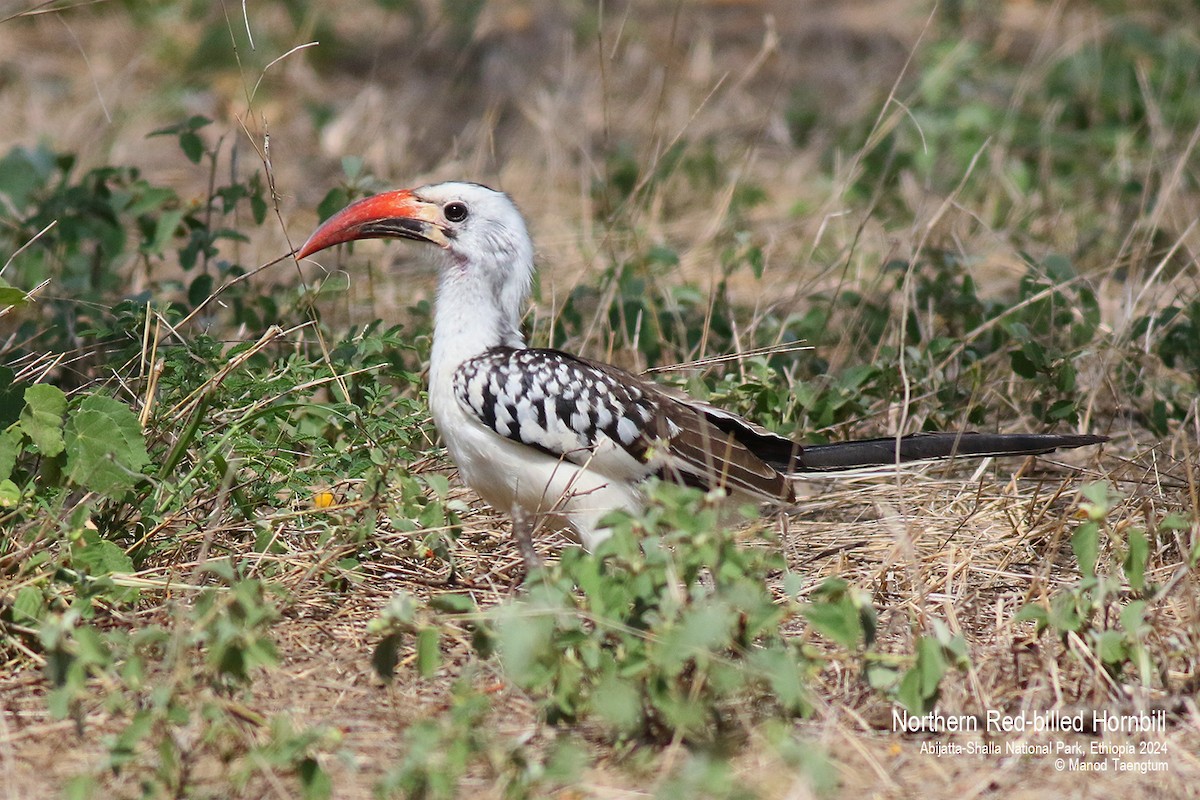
547 436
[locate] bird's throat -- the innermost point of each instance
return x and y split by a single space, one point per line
469 319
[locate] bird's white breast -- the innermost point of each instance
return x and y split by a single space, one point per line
511 475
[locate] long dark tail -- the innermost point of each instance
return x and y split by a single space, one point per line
927 446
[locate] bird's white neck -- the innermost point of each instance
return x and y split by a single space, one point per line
474 313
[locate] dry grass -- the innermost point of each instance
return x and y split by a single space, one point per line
967 548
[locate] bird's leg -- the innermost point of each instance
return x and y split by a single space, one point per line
523 524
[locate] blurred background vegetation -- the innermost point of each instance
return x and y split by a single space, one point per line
814 165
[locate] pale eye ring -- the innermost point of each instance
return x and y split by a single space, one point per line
456 211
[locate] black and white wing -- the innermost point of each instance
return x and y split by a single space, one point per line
626 428
615 423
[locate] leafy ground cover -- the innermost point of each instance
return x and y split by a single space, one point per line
235 561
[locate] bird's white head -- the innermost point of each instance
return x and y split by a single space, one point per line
485 246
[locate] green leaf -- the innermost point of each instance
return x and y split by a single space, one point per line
11 295
10 493
59 702
1058 268
151 198
335 199
261 653
438 484
429 657
81 787
834 613
920 685
42 417
352 167
91 646
10 448
1062 410
702 630
1033 611
618 702
836 621
566 761
1085 541
12 397
315 782
1099 497
164 231
453 603
882 677
524 634
28 606
192 123
192 146
106 449
1140 657
909 694
783 671
1135 559
932 664
200 290
1064 613
1110 647
221 568
1133 618
23 172
869 621
1022 365
386 655
1176 522
97 556
954 647
793 583
258 208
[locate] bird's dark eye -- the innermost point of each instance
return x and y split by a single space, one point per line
455 212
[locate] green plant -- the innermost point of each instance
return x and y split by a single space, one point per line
671 622
93 443
1107 613
667 631
92 491
844 614
655 635
441 749
177 691
84 234
1086 129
